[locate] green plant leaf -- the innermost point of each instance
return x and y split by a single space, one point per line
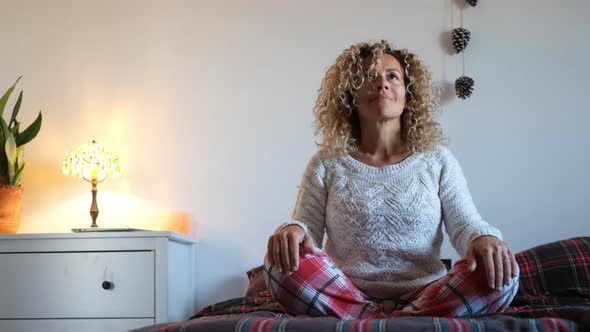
28 134
3 131
5 97
3 161
16 180
15 109
15 129
3 165
19 164
10 148
20 157
17 176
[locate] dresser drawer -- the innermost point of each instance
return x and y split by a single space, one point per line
70 285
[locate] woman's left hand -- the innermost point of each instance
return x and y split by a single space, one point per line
496 257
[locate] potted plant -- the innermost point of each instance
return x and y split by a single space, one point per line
12 143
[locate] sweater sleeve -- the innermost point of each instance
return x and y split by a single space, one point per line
310 207
462 221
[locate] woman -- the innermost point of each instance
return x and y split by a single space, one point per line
381 188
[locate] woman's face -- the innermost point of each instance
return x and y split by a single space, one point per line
383 93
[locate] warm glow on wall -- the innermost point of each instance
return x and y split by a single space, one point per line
124 210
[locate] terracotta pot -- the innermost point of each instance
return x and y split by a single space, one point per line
10 208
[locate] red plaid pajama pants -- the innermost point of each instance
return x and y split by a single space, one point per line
319 288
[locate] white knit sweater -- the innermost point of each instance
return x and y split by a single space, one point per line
384 224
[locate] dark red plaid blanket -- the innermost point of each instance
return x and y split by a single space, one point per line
562 318
554 295
555 273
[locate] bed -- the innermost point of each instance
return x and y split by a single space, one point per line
554 295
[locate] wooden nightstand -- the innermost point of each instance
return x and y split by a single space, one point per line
112 281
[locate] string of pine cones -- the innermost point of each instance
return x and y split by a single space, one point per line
460 38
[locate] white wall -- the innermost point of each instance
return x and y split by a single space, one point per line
209 105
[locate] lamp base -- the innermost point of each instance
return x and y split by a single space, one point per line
94 206
93 215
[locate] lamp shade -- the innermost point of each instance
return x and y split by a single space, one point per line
92 162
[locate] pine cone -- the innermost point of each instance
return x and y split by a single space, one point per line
464 87
461 37
473 3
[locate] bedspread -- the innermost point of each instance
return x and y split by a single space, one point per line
554 295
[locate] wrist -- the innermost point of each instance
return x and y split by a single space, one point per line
481 236
292 223
293 226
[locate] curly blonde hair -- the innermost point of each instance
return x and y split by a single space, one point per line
336 116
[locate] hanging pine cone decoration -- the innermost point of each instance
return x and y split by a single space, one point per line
473 3
464 87
461 37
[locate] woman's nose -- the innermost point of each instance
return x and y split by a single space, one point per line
381 82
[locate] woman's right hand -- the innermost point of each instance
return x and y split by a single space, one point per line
283 247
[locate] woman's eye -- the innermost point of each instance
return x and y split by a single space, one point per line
371 75
392 76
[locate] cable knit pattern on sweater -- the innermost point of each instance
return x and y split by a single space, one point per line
384 224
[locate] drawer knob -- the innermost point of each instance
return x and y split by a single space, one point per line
107 285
